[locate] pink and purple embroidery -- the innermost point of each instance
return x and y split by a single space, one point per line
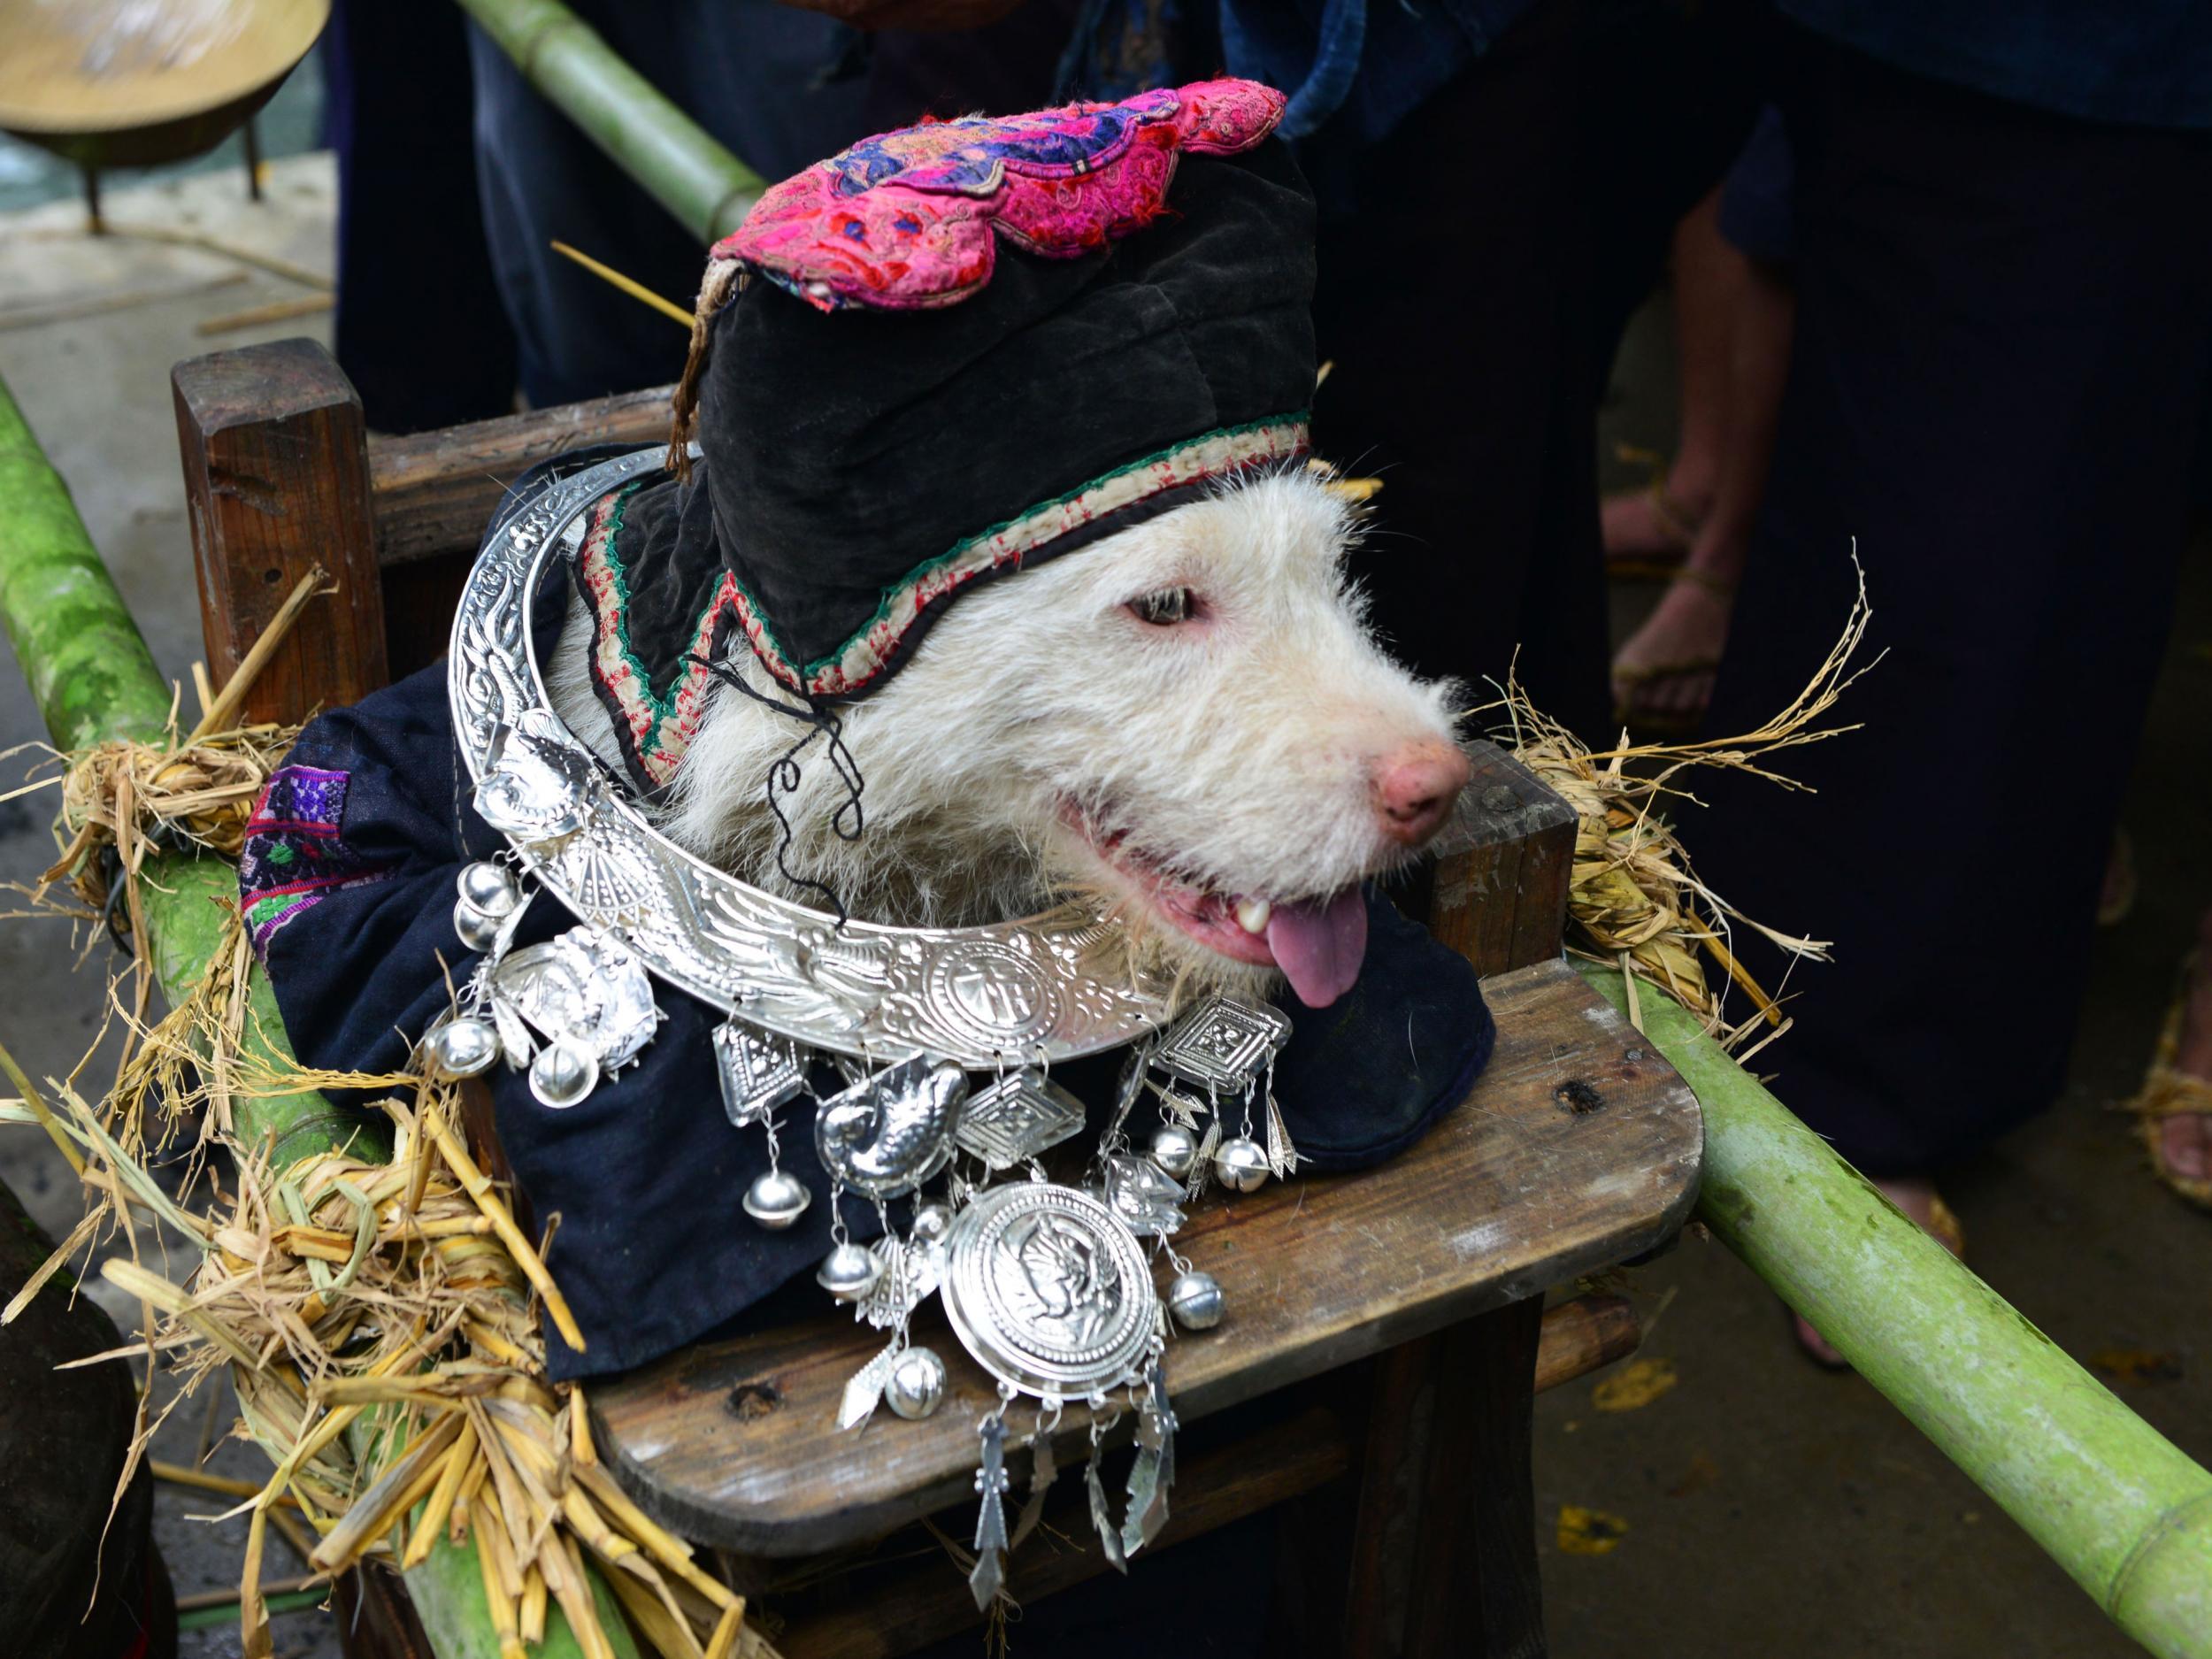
905 220
293 856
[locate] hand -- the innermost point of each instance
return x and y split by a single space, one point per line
911 14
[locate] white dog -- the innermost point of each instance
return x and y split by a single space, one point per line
1189 719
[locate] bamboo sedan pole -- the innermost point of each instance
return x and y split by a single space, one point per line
89 669
2112 1500
94 680
662 149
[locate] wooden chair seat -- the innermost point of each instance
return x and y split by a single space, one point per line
1577 1147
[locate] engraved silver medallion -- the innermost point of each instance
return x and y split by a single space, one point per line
1050 1291
759 1072
536 786
1015 1119
889 1133
1223 1044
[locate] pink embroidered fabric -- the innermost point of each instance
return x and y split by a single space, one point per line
908 221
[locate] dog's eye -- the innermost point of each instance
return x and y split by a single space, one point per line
1166 608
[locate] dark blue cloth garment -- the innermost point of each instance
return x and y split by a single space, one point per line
1996 380
1355 68
2147 63
645 1175
1754 198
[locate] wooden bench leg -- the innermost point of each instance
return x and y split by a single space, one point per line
1444 1556
1475 1588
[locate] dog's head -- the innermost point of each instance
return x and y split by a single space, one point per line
1189 718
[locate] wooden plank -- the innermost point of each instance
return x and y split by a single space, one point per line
277 481
878 1620
1499 885
435 491
1527 1185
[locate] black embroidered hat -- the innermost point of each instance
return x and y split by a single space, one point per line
890 407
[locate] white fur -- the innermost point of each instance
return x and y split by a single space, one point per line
1237 748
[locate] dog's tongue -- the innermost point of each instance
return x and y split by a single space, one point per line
1318 947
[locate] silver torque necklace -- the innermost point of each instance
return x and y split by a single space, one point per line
945 1039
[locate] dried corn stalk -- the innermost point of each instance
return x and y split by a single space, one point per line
1634 900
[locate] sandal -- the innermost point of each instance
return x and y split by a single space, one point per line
1674 723
1677 522
2167 1093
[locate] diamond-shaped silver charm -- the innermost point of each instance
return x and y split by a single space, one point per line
759 1072
1016 1118
911 1273
1146 1198
1222 1045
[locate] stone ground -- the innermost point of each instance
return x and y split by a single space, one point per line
1763 1506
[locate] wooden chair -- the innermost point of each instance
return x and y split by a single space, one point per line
1384 1385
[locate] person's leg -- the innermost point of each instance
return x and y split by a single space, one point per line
1710 280
1664 673
1992 393
1453 258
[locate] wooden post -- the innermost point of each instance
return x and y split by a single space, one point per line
276 476
1498 892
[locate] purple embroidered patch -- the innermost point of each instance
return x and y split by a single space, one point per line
293 856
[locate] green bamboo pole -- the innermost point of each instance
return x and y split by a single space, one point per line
707 188
89 669
94 680
2112 1500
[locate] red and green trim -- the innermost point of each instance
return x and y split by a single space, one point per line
658 727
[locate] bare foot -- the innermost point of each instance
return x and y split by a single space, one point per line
1916 1195
1637 524
2185 1138
1664 673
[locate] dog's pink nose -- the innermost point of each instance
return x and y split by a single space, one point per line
1415 788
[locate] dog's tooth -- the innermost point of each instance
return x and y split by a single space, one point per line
1252 915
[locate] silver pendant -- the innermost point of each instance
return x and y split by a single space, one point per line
888 1134
910 1276
990 1521
865 1389
1222 1045
1016 1118
488 887
1195 1300
586 988
563 1074
758 1073
1148 1202
1050 1291
849 1271
537 780
916 1387
1154 1470
1240 1164
776 1199
463 1046
1101 1517
1173 1150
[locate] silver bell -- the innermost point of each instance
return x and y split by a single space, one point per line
564 1073
490 888
916 1387
849 1271
1239 1164
1175 1149
776 1200
1195 1301
932 1223
462 1047
479 932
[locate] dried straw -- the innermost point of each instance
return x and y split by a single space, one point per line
1633 899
